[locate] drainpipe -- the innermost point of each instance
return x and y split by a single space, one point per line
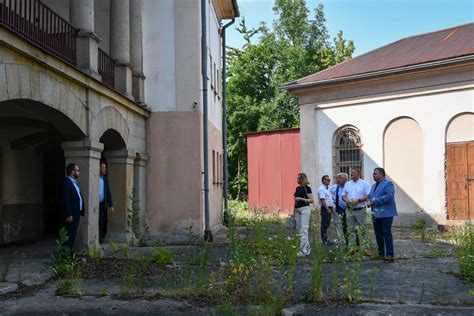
207 230
224 121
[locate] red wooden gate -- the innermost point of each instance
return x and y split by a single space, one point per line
273 164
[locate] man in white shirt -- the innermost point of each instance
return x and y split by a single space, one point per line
355 195
326 203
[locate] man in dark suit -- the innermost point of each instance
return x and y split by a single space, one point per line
105 202
72 203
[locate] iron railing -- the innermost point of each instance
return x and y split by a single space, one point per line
106 68
40 25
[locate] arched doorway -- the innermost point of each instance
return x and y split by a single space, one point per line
120 165
460 167
31 168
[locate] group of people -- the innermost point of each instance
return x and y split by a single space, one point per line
72 202
348 202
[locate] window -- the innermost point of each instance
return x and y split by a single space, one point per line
348 152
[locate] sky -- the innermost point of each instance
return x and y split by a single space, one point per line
369 23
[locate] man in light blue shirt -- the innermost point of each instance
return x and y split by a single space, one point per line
105 202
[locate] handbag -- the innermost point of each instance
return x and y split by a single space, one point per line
291 221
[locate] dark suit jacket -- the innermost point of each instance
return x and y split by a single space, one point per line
70 200
107 196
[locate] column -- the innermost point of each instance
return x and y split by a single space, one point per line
120 166
86 154
139 183
120 45
136 53
87 42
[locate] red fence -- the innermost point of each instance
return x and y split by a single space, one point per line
273 164
40 25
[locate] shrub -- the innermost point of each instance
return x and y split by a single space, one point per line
95 254
465 252
162 256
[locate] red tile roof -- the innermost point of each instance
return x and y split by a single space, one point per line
441 45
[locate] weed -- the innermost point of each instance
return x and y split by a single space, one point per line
103 291
419 225
62 258
372 278
5 270
351 283
143 240
95 254
422 293
113 246
162 256
317 275
464 239
124 250
70 285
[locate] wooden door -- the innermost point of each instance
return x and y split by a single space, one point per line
470 175
460 165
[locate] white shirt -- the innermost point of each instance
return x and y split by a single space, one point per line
356 190
323 193
74 183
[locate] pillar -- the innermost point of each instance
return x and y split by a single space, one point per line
136 51
120 165
120 45
87 42
139 183
86 154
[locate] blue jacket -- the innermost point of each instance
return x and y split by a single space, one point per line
384 199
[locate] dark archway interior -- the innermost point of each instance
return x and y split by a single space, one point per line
33 168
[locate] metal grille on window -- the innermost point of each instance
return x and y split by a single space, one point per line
348 151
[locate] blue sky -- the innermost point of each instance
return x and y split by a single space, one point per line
369 23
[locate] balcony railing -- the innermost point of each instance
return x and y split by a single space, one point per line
40 25
106 68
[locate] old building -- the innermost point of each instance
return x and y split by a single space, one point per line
408 107
72 89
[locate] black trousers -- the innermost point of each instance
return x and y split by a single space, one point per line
342 214
325 221
72 232
102 222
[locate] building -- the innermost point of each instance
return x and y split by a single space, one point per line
408 107
73 77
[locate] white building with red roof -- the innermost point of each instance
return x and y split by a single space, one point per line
407 107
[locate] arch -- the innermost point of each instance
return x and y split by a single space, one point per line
403 160
347 150
460 128
109 118
24 82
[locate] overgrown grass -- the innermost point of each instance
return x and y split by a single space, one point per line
464 238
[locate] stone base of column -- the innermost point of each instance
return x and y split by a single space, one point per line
123 79
138 87
87 53
119 237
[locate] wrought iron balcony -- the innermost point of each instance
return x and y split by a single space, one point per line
40 25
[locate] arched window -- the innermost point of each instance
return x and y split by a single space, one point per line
347 150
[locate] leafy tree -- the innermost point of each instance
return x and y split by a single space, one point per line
296 46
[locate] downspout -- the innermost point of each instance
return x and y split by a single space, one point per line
207 230
224 121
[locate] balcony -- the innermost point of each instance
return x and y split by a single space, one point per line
38 24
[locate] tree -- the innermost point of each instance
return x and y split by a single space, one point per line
295 47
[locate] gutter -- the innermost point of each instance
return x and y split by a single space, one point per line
291 86
205 119
224 122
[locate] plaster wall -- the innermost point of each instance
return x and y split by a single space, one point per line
432 104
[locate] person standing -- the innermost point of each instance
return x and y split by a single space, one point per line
382 202
355 195
72 203
340 221
326 203
303 198
105 202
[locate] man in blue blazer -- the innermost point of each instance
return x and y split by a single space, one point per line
72 203
382 200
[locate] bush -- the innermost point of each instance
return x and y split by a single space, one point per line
162 256
62 256
465 252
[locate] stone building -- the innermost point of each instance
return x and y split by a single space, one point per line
72 89
408 107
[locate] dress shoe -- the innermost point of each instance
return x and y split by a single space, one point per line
388 259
